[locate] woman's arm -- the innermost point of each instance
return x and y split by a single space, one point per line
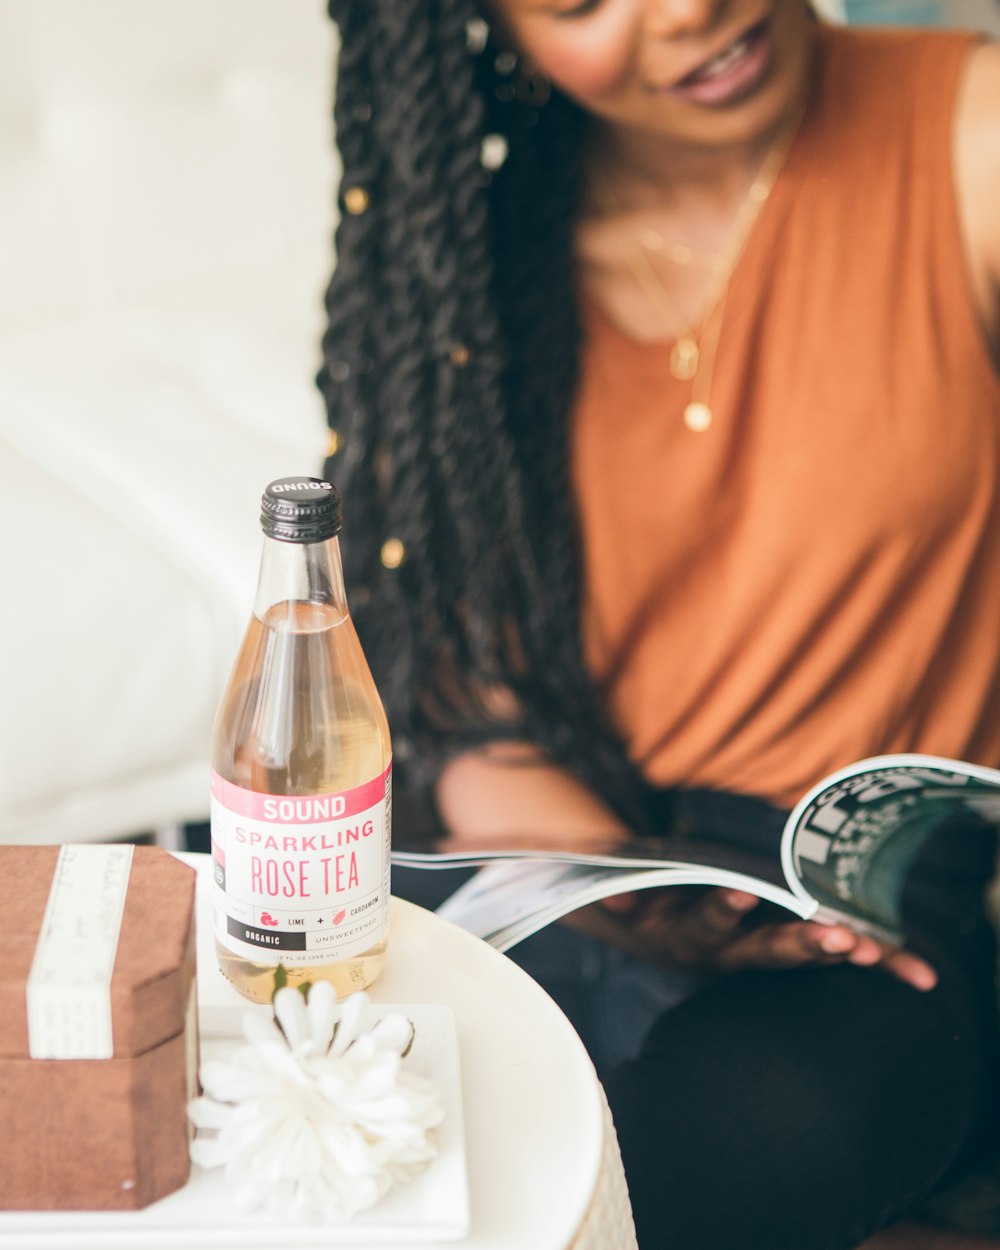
977 183
510 792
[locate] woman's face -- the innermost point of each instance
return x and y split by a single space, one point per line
703 72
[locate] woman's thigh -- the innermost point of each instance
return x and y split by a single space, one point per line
797 1110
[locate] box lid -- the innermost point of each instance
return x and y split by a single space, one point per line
154 962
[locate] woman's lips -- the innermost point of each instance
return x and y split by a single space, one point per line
732 74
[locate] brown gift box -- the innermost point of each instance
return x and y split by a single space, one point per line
101 1134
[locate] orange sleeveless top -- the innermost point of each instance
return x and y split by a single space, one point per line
816 577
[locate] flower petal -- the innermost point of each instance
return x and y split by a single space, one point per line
322 1013
393 1033
290 1012
348 1022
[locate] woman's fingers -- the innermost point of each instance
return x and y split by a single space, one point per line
708 932
911 969
621 904
797 944
692 933
714 917
789 945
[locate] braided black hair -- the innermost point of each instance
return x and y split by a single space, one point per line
450 361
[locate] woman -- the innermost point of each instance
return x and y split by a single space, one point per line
661 371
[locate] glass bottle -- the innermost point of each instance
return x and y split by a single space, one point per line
301 770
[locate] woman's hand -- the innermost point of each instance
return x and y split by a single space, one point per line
508 791
710 931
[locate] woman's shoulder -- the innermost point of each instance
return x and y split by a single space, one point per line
978 111
977 176
978 114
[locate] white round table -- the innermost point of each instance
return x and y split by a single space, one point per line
544 1172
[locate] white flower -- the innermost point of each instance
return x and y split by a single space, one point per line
314 1115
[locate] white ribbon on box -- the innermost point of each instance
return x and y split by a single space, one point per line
69 985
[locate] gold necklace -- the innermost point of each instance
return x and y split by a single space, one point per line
679 253
693 352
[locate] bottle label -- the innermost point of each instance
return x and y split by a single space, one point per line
301 879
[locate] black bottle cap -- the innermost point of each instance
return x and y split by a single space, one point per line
300 510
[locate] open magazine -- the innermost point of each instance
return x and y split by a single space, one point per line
845 853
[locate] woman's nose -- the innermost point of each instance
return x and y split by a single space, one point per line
667 19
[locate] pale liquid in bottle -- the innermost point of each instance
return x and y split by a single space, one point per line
301 717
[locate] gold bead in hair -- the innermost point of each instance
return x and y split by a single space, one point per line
333 443
531 86
393 553
460 355
356 201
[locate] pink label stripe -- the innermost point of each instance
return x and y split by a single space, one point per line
303 809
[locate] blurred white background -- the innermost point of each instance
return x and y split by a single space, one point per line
167 182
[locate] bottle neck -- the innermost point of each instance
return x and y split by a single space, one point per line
300 572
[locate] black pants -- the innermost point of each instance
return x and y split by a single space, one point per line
789 1110
796 1111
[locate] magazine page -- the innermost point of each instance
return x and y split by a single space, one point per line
634 854
512 898
850 842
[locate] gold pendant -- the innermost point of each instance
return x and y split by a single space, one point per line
697 417
684 358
